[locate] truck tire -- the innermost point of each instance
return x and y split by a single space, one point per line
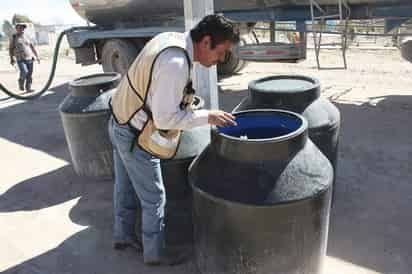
232 63
117 55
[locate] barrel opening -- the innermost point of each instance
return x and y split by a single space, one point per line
285 84
95 79
262 125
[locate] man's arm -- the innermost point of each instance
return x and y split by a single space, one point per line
169 79
34 52
11 51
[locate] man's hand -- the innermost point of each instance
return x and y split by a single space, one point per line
221 118
36 59
12 62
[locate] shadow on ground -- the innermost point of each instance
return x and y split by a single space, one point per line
370 223
36 123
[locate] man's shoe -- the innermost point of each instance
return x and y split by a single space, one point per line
122 245
21 85
28 86
170 258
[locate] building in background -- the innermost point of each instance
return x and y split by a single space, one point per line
45 35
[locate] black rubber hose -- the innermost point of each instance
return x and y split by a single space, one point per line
52 72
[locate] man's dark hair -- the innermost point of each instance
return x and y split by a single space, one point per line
219 28
21 25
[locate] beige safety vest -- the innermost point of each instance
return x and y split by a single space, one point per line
132 91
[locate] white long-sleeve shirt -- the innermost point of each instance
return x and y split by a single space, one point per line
169 78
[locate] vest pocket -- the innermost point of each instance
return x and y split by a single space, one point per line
160 143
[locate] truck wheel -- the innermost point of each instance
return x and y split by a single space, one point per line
117 56
232 63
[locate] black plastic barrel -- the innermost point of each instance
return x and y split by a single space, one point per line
261 197
299 94
178 219
84 114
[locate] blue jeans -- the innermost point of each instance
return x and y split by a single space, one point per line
26 72
137 173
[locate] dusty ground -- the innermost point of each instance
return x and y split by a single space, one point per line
54 222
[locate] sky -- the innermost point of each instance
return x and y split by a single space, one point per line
41 11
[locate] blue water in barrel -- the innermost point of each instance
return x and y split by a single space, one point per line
262 125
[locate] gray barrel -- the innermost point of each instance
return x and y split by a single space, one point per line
84 114
178 219
261 197
299 94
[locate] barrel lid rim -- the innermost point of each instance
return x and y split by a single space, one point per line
300 130
314 81
76 82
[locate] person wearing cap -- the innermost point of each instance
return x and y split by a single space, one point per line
151 106
22 51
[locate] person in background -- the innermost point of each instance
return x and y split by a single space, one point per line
151 106
22 51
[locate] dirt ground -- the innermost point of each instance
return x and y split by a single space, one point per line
54 222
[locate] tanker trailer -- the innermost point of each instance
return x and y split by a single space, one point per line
122 27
